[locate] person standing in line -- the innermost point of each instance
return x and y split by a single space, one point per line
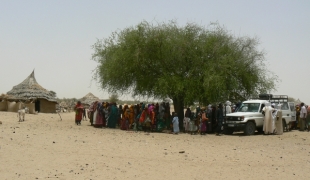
297 123
203 121
187 119
267 126
227 108
210 119
84 114
308 118
278 121
175 122
113 116
219 118
78 113
303 116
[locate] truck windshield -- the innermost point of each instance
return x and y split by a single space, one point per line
249 107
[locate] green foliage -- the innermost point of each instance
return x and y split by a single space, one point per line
187 64
113 98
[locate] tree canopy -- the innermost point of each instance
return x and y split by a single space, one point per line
189 63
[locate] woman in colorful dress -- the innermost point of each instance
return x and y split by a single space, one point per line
100 118
131 115
187 119
120 114
78 113
145 120
203 123
125 119
153 119
113 116
297 116
308 119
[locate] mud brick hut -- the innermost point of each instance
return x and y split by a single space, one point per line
32 95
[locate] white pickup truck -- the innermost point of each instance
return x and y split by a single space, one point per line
249 117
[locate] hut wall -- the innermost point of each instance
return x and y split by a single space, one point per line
31 107
3 106
47 106
13 106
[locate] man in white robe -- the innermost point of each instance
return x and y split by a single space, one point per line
227 108
274 115
278 122
268 127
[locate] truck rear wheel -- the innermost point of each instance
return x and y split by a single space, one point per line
249 128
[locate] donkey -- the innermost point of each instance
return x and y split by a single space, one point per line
21 114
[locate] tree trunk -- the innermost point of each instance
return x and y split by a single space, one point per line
178 104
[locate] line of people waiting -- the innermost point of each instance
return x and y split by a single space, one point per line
154 117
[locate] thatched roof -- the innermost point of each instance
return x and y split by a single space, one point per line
89 99
30 89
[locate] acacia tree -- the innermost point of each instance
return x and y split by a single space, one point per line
187 64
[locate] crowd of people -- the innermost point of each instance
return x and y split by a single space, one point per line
156 117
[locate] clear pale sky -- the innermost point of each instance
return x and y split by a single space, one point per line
54 37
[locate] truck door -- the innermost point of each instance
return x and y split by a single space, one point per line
293 110
286 112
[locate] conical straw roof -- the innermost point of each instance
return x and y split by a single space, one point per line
89 99
30 89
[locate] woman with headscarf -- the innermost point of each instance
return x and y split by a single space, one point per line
187 119
153 119
120 114
113 116
167 116
131 115
209 116
197 118
145 120
297 117
219 119
91 113
100 118
125 119
308 118
203 122
95 112
175 122
78 113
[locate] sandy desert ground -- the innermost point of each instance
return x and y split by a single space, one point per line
43 147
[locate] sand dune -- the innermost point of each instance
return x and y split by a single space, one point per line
43 147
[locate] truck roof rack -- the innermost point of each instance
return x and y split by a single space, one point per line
274 98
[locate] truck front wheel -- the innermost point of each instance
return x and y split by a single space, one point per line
249 128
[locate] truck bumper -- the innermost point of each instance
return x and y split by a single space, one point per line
236 127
